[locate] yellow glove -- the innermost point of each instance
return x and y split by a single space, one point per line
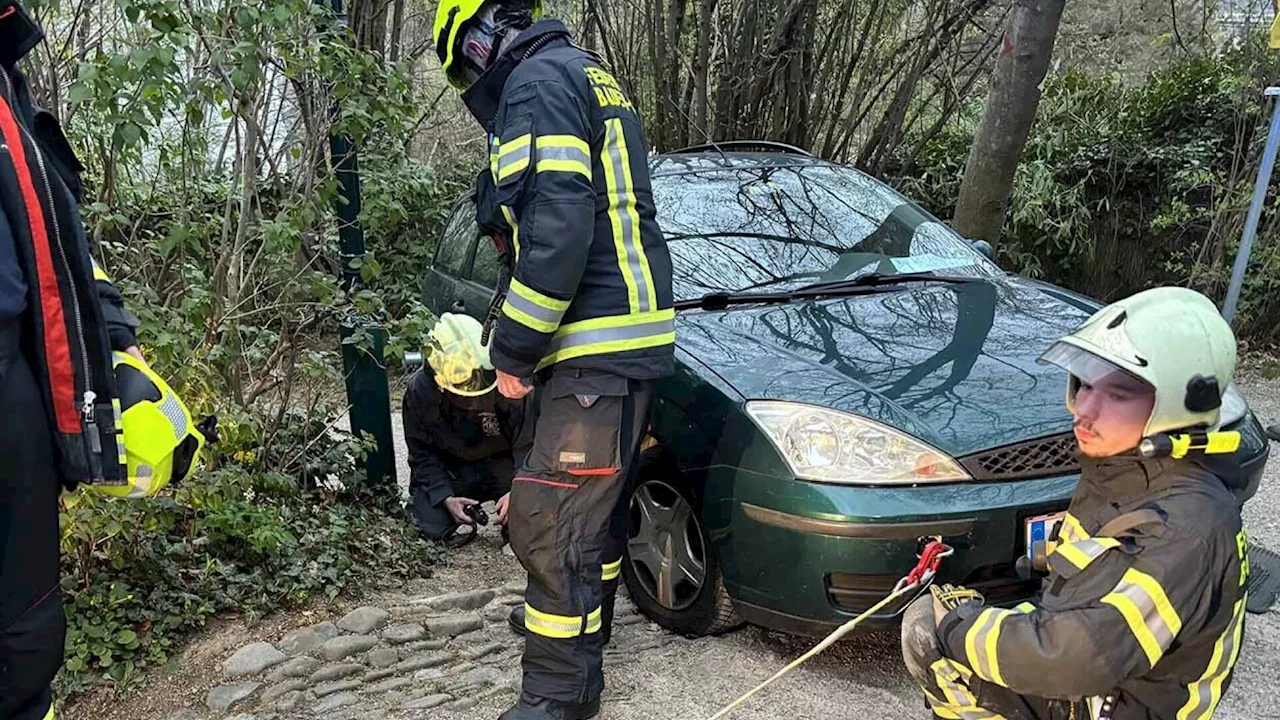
949 597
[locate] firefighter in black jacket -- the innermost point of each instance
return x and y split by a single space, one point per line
60 319
587 318
1143 608
463 439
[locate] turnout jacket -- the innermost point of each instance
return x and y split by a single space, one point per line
447 443
591 286
74 317
1141 620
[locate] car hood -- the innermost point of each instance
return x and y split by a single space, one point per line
952 364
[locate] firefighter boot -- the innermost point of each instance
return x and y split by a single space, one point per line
536 708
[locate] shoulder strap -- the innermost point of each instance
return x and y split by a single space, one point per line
1129 521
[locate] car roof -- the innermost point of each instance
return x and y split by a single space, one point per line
731 155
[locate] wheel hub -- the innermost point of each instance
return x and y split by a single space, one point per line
665 545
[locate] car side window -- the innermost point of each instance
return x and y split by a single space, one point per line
459 233
484 269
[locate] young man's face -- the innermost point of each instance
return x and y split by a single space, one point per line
1111 414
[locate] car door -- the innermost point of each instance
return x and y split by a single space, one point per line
441 286
476 291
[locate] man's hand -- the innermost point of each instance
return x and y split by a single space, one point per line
455 506
502 504
134 351
512 387
949 597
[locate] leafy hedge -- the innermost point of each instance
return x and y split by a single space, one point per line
1122 187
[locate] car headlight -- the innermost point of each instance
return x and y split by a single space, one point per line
1233 406
831 446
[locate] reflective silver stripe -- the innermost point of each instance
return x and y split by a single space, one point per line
622 201
1147 611
549 318
563 154
960 700
513 156
1206 693
173 411
578 338
976 644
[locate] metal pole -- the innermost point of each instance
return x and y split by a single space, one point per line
1255 210
366 373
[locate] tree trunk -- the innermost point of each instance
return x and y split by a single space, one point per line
397 29
702 70
1006 121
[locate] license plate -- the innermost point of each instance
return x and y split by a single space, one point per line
1040 529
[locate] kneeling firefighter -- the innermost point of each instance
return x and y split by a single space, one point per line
1143 607
65 425
463 439
587 318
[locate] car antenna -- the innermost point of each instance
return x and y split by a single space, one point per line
705 134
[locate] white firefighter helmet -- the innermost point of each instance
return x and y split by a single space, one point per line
1171 338
458 358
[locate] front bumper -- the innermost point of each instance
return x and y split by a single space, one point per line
805 557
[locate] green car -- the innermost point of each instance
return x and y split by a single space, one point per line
851 376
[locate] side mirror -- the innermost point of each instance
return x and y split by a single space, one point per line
984 247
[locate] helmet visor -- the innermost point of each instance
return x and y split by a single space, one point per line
1091 369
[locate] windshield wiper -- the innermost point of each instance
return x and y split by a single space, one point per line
877 280
862 285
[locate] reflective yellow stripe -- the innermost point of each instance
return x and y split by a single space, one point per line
564 153
1148 612
611 570
533 309
980 644
513 156
1025 608
98 272
625 220
951 678
616 333
49 715
1072 530
560 626
1083 552
1205 693
515 229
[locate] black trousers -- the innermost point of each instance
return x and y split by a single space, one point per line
32 627
568 525
479 481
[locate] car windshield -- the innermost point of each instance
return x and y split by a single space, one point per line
774 229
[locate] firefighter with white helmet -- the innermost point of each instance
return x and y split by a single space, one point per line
461 435
1143 606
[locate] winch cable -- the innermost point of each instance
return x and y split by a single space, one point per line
919 577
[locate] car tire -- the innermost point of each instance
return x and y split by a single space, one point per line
696 612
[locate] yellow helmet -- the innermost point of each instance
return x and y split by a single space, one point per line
458 357
452 18
159 442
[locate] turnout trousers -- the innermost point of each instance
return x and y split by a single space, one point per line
953 692
32 628
568 525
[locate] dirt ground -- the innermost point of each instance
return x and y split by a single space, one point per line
691 679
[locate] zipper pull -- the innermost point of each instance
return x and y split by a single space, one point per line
90 424
87 408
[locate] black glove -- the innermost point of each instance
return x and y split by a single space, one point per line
949 597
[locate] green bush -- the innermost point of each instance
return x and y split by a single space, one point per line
1121 188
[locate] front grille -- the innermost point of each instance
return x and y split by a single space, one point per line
1043 457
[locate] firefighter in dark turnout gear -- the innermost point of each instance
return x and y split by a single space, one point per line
1143 608
60 320
587 319
463 440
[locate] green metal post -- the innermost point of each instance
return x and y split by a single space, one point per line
366 374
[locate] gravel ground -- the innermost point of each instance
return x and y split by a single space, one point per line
652 675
